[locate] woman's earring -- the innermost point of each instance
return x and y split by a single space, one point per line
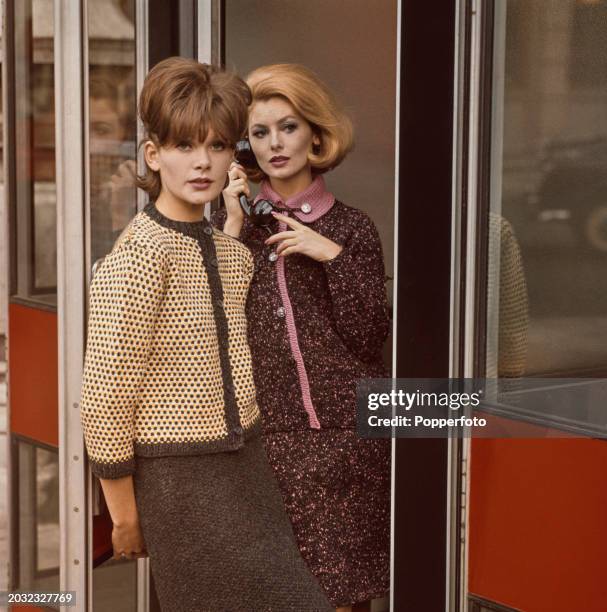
316 146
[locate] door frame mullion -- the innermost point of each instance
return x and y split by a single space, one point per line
70 185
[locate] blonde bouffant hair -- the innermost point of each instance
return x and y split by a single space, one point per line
311 99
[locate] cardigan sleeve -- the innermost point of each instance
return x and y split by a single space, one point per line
356 279
125 297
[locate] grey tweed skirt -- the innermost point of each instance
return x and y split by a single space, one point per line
218 536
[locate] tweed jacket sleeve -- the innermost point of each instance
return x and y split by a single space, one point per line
125 296
219 218
356 279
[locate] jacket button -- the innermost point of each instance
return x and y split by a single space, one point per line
273 256
306 208
208 230
238 430
213 261
280 312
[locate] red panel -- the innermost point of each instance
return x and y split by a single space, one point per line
32 363
538 524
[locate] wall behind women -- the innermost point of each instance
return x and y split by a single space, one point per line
351 45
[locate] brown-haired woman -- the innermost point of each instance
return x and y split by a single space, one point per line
169 411
318 317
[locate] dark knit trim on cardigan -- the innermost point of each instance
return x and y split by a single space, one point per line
193 229
233 441
202 231
112 470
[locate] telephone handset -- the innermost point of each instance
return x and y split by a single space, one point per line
259 212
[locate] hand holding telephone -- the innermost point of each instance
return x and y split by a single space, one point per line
259 212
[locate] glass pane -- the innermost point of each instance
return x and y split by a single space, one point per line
113 200
35 193
38 503
115 586
112 120
47 505
4 552
548 230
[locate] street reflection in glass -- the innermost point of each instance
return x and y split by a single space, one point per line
549 191
112 121
113 203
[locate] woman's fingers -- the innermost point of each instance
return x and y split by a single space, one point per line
280 236
236 171
133 554
238 186
290 242
292 223
121 555
290 250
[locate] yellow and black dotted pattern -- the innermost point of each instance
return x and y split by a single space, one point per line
168 367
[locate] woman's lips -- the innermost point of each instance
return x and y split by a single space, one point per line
200 183
278 162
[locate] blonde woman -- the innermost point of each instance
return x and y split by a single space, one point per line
318 317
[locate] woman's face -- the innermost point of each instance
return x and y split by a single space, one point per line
281 139
191 172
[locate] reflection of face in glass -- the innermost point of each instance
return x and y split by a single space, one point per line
105 121
112 183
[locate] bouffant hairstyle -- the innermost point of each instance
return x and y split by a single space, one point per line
311 99
182 99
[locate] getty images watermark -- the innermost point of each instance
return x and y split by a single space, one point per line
489 408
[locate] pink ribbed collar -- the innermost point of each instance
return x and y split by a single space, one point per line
316 195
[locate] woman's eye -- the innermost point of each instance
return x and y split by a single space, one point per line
218 146
184 146
290 127
259 133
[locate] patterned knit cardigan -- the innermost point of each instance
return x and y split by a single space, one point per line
168 367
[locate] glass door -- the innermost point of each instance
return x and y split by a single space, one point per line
536 506
111 92
29 119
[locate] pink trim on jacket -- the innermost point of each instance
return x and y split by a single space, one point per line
320 201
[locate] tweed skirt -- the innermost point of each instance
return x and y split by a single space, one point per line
218 536
336 489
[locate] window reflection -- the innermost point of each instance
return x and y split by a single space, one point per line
113 201
112 121
38 502
552 175
34 200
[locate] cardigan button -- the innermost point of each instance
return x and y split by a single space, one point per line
208 230
280 312
273 256
306 208
238 430
213 261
